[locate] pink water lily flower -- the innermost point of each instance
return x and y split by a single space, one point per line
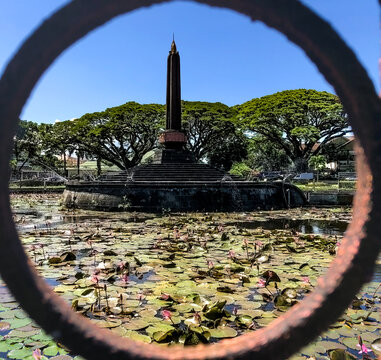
121 266
184 237
166 314
124 278
164 296
231 254
306 279
261 283
37 354
363 348
197 317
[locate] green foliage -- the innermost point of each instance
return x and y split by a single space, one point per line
58 139
122 134
27 143
318 186
241 169
298 122
233 148
264 156
348 185
31 146
317 162
293 125
212 133
334 151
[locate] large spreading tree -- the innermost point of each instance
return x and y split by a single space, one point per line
264 156
212 133
26 143
34 144
290 125
121 135
299 122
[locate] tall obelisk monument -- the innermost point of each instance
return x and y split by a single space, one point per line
173 137
173 90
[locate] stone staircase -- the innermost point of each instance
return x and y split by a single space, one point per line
170 172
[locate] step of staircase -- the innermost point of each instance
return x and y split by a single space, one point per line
177 172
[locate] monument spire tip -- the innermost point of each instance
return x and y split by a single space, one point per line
173 46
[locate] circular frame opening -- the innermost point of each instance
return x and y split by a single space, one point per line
360 247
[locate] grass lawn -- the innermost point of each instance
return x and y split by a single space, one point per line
327 186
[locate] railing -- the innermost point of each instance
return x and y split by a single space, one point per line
358 252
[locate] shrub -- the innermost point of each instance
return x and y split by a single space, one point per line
240 169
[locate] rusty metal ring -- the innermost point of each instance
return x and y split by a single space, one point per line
348 272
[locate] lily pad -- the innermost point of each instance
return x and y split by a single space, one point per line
244 321
108 323
19 353
350 342
223 332
331 345
340 354
136 324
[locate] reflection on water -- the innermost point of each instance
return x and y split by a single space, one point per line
377 272
39 221
305 226
52 282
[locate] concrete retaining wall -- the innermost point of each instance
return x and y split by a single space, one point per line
156 197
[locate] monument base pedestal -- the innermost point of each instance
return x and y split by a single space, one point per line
165 156
174 142
173 139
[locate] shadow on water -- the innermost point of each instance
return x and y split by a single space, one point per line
52 282
377 273
73 219
321 227
50 222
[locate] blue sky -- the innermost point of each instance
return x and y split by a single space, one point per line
224 56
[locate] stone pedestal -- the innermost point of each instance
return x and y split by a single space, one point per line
173 139
174 143
165 156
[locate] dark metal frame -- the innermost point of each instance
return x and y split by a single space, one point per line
303 322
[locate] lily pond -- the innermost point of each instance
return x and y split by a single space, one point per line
184 278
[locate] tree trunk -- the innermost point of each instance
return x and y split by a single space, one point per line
301 165
99 166
78 164
20 168
64 164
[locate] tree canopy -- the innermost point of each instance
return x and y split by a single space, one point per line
300 122
267 133
26 144
121 135
29 146
212 133
264 156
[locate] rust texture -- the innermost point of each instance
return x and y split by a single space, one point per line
335 290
